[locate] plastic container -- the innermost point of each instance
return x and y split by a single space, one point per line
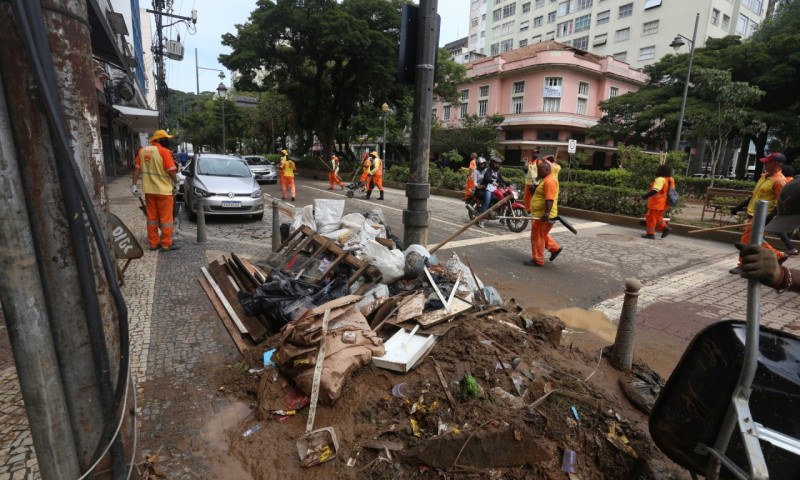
256 427
401 390
569 463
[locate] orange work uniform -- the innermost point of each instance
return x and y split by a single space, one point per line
768 188
156 163
287 167
540 230
657 204
531 177
470 180
333 174
376 172
365 167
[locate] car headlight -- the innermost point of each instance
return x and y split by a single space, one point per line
256 194
200 192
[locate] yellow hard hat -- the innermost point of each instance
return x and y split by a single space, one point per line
285 152
373 153
159 135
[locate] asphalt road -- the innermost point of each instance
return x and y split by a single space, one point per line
685 281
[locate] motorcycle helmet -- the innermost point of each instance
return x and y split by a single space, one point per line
496 160
481 162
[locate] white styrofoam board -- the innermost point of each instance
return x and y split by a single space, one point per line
403 350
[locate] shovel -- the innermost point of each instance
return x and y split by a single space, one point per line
320 445
141 206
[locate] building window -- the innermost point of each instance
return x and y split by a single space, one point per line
551 104
507 45
463 110
583 4
648 4
581 43
474 22
622 35
567 43
483 91
583 23
516 104
544 135
603 17
564 8
433 112
523 43
539 3
509 10
726 22
446 113
536 39
626 10
518 87
714 16
526 7
583 89
464 95
476 4
523 26
647 53
563 29
649 28
482 105
551 17
537 22
613 92
600 39
473 39
550 35
494 49
741 27
582 103
497 15
621 56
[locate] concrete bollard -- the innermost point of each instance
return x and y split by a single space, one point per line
622 353
276 225
202 236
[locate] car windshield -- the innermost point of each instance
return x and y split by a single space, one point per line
223 167
256 161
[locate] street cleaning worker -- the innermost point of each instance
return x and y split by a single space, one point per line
159 182
287 166
544 208
768 188
365 167
531 178
333 173
283 153
657 202
470 186
376 174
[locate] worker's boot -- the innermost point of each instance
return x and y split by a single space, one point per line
381 197
369 192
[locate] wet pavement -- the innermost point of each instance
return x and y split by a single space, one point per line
178 342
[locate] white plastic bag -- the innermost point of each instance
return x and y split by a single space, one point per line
389 262
328 214
453 265
304 217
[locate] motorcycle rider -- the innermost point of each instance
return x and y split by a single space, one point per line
490 181
477 177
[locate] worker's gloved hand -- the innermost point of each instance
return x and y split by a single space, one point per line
759 263
135 190
175 188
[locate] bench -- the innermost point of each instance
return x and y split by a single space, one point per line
720 200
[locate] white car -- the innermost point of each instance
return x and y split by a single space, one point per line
226 185
261 168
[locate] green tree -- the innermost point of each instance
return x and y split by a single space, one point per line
476 134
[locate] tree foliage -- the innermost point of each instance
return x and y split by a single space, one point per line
476 134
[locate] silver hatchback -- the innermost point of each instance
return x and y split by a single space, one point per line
261 168
226 185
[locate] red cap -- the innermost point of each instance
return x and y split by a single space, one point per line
774 157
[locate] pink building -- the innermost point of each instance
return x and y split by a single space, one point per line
548 93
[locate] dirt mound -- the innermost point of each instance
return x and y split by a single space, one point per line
537 401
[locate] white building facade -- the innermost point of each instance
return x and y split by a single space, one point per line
637 32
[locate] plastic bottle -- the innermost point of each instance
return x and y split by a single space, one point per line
569 463
256 427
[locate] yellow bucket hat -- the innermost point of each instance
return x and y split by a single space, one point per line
159 134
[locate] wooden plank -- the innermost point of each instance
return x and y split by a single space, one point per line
246 270
241 343
254 327
444 384
221 296
410 307
438 316
333 264
288 240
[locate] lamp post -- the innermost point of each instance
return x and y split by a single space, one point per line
197 69
677 43
222 91
385 113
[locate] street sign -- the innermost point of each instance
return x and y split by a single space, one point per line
572 146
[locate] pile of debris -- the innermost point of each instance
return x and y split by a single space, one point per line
417 365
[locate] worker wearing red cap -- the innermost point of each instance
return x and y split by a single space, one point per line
768 188
159 182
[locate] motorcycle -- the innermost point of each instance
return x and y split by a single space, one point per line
513 214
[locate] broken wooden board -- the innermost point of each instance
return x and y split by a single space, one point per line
254 327
410 307
438 316
241 343
403 350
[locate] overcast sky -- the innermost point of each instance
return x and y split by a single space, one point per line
215 18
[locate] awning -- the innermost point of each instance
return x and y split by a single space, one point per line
140 119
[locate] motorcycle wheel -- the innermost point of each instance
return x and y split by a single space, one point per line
349 194
471 212
517 225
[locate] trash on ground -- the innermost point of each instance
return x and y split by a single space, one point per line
403 349
256 427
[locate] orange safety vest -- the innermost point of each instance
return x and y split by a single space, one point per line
659 200
155 162
377 167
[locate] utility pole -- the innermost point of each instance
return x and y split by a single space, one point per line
70 284
416 216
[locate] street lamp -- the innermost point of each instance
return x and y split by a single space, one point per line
677 43
222 91
385 110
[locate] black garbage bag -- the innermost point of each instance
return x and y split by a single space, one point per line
280 299
284 230
335 289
